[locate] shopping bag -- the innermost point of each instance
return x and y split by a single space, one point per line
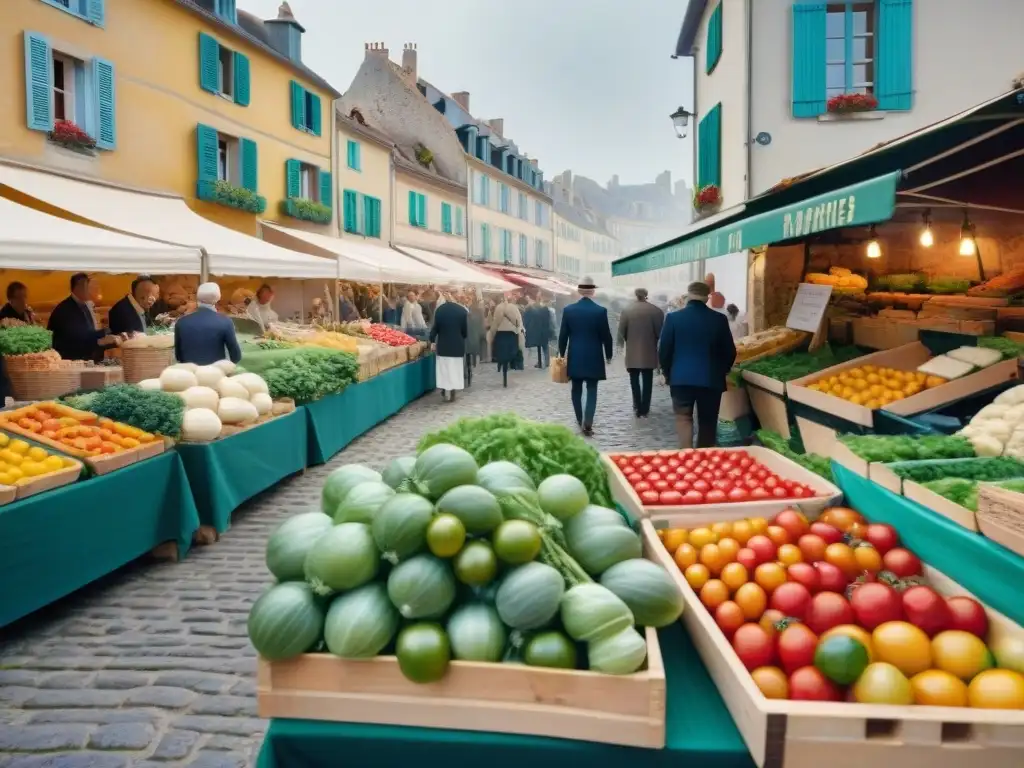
559 371
519 363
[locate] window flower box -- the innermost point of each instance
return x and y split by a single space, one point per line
307 210
852 102
68 135
227 194
707 199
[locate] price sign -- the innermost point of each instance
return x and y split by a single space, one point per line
808 307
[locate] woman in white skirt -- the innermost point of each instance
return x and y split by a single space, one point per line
448 334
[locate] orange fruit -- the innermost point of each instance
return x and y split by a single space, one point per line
770 576
713 594
772 682
997 689
789 554
842 557
868 558
734 576
758 525
673 538
701 536
685 556
711 556
721 530
729 549
777 534
696 576
752 600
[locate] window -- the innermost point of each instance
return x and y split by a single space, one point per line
225 79
350 212
524 207
446 218
506 245
371 217
458 221
227 159
540 253
483 251
222 71
306 110
64 74
307 182
308 187
417 209
709 149
849 48
503 198
524 248
714 47
354 158
482 193
92 11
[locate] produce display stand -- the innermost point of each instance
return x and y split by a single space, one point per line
768 399
735 403
1000 517
477 696
826 494
794 734
337 420
60 541
227 472
698 732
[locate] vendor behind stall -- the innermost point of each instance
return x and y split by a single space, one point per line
129 314
75 335
260 309
17 307
206 336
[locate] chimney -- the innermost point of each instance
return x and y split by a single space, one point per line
409 60
614 183
533 161
376 49
462 99
285 33
497 125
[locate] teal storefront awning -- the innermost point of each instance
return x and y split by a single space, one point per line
867 202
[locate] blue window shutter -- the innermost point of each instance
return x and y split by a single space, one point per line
106 103
250 164
421 210
314 117
809 59
298 105
38 82
715 148
412 208
714 41
894 76
358 156
209 63
206 154
242 87
293 178
326 188
95 12
351 214
446 218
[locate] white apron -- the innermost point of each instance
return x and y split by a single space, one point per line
450 372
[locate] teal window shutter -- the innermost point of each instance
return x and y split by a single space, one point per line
209 63
105 91
351 214
293 178
354 159
715 162
485 230
714 42
894 73
38 82
95 11
249 163
376 218
206 156
421 210
326 188
709 149
412 209
809 69
458 220
446 218
242 87
298 105
370 217
314 116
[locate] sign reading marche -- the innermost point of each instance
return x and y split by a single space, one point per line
868 202
809 307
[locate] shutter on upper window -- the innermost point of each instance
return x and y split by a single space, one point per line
809 70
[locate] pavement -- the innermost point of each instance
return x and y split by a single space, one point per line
151 665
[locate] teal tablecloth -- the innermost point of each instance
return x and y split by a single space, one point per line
226 473
336 421
989 570
59 541
699 733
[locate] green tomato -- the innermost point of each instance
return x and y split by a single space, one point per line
423 652
476 565
550 649
516 542
841 658
445 535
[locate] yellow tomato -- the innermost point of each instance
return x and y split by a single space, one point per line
902 645
1009 652
701 536
674 538
15 472
960 653
997 689
882 683
936 688
734 576
789 554
32 468
872 404
19 447
729 548
869 368
6 478
742 530
36 453
758 525
53 463
12 458
772 682
696 576
721 529
685 556
4 440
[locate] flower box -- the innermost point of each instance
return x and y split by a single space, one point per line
707 198
68 135
227 194
852 102
307 210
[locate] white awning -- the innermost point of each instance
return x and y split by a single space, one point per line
392 265
458 270
169 220
31 239
347 269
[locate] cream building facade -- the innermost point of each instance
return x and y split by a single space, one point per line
430 210
363 158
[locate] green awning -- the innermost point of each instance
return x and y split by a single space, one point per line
867 202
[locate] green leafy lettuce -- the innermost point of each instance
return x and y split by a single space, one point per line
995 468
892 448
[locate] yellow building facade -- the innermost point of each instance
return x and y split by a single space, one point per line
570 249
511 220
190 97
430 211
363 173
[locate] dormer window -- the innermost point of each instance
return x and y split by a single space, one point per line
226 10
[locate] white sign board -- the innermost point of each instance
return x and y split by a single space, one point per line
808 307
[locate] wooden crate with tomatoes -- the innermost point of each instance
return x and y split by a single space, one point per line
832 644
740 481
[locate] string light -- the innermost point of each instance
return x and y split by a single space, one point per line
927 238
874 250
967 245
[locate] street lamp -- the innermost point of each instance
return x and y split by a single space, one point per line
680 119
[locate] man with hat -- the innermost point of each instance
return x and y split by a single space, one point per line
696 352
587 337
639 330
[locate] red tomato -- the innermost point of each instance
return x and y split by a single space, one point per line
968 615
715 496
662 485
671 498
827 533
657 461
671 477
831 576
750 483
702 485
792 599
681 485
642 486
812 546
690 477
645 469
778 492
875 604
722 485
650 498
707 476
827 610
738 494
693 497
902 562
729 617
634 477
926 609
808 684
673 462
654 477
806 574
754 646
746 462
763 548
747 558
800 492
759 494
882 537
769 621
771 481
793 522
795 646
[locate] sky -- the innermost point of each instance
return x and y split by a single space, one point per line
586 85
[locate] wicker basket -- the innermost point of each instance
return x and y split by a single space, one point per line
145 363
415 350
45 361
43 385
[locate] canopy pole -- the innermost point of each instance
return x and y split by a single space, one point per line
204 265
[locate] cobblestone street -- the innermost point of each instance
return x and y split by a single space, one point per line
152 667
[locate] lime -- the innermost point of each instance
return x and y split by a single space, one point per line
423 652
550 649
476 564
841 658
445 535
516 542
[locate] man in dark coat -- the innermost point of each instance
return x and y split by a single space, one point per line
537 324
448 333
206 336
588 339
639 329
75 335
129 314
696 351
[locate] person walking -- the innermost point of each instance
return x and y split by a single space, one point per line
639 330
537 320
476 338
506 336
585 340
448 333
696 351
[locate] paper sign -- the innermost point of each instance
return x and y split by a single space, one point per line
808 307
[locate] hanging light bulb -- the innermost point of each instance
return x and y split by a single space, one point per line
874 250
967 245
927 238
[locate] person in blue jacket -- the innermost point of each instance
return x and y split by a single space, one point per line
588 338
206 336
696 351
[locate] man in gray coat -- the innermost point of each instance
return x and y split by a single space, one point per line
639 329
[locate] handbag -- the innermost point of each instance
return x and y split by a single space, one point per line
559 371
519 363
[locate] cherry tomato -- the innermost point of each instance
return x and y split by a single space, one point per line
772 682
722 485
671 477
671 498
875 604
738 494
902 562
778 492
793 522
654 477
800 492
763 547
713 594
770 576
832 578
826 532
645 469
778 535
769 619
841 517
752 600
642 486
693 497
759 494
728 466
808 684
650 498
968 615
754 646
795 646
881 536
827 610
746 462
657 461
729 617
681 485
812 547
661 485
926 609
841 556
747 558
690 477
703 486
735 575
806 574
634 478
792 599
673 462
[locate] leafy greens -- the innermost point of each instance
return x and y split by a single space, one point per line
25 340
892 448
995 468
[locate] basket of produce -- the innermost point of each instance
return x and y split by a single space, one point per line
35 370
772 373
149 410
1000 516
773 341
386 576
146 356
26 468
831 654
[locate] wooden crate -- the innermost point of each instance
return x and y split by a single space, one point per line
799 734
101 376
1000 517
735 404
843 456
940 505
8 493
826 493
768 401
818 439
49 481
473 696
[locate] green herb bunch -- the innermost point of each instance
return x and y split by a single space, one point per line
311 374
25 340
159 413
890 448
795 365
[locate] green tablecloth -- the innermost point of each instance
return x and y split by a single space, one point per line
59 541
990 571
227 472
336 421
699 733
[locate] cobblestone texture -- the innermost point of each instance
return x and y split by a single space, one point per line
151 665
